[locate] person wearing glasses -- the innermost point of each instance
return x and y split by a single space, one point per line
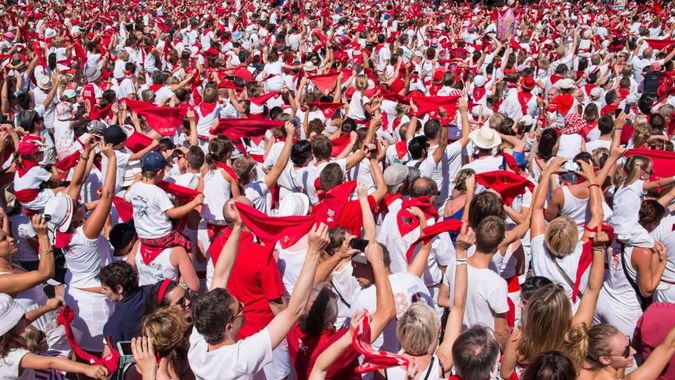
610 353
169 293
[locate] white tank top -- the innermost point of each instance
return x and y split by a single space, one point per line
616 284
433 371
574 207
159 269
290 264
216 192
85 258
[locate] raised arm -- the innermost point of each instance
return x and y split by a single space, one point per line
453 326
366 212
278 168
94 224
17 282
386 310
657 360
223 268
466 127
282 323
589 300
537 221
81 170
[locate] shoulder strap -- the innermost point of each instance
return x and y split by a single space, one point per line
342 299
418 163
565 276
644 302
431 365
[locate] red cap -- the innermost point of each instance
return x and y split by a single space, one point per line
528 82
28 147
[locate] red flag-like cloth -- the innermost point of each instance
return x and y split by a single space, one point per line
183 194
432 104
333 204
325 83
137 141
586 259
125 210
238 128
260 100
328 109
659 44
339 144
271 229
373 359
68 162
110 362
663 162
164 120
407 221
506 183
428 233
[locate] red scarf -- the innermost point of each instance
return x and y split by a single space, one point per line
25 166
261 100
373 359
662 161
562 104
110 362
286 230
164 120
508 184
428 233
339 144
333 203
325 83
523 99
228 170
432 105
137 141
406 221
586 259
124 209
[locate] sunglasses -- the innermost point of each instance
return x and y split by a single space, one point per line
626 351
239 313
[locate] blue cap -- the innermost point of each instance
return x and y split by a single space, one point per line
153 161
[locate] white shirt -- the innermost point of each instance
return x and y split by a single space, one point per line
625 220
240 360
313 172
122 157
9 370
85 258
407 288
543 265
150 204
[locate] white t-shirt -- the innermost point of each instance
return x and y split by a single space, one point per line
259 195
9 370
543 265
625 220
33 179
596 144
240 360
485 165
292 180
22 230
486 295
85 258
150 204
313 172
407 288
122 156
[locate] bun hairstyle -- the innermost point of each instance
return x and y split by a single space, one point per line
220 150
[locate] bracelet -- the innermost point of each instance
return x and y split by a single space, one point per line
599 249
44 253
460 262
84 158
593 185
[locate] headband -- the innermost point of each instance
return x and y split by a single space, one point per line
162 289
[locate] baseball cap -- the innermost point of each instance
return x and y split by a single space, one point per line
153 161
395 174
28 147
114 134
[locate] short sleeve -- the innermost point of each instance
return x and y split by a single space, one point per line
342 163
254 352
498 297
453 150
163 201
42 174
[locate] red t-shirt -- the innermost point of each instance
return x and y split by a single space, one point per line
304 350
652 329
255 280
351 218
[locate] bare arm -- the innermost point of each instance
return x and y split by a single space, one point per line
657 360
14 283
223 268
278 168
94 224
279 327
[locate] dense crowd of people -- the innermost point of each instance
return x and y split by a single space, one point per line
337 189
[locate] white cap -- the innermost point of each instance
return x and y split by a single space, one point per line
596 93
565 84
60 210
527 120
50 33
418 54
479 80
69 94
294 204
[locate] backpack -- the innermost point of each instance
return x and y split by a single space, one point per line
651 83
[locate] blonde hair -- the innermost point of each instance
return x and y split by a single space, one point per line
496 120
168 327
632 168
361 82
547 326
597 343
417 330
641 135
561 236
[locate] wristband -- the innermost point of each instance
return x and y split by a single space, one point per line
85 158
460 262
593 185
